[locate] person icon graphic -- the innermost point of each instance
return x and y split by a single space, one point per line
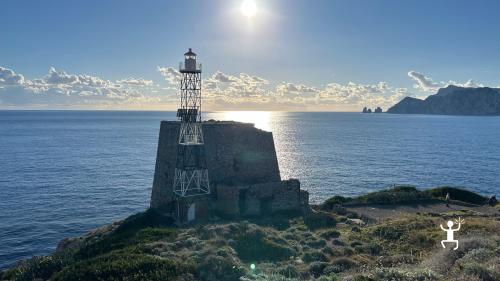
450 233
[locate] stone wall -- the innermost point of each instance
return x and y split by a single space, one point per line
260 199
237 154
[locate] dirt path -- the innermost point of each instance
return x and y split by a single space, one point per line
380 212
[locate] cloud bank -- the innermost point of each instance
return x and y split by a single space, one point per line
221 91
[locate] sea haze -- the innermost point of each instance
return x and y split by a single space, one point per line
63 173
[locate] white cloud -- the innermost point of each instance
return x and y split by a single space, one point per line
221 91
135 82
172 75
219 76
60 89
425 83
9 77
296 89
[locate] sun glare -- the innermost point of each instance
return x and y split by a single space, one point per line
261 119
249 8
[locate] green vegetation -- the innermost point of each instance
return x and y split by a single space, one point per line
120 266
405 194
324 245
255 245
320 219
399 194
457 194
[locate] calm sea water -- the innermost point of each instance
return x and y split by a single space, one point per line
63 173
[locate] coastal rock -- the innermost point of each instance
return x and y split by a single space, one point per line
378 110
77 242
453 100
359 222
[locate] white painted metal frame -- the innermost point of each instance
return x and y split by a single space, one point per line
191 182
191 134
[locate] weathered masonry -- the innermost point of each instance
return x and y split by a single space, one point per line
243 174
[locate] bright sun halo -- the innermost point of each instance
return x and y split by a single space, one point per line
249 8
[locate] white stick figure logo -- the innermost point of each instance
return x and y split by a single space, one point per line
449 232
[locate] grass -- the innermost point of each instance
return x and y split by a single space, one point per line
457 194
256 245
314 247
124 266
405 194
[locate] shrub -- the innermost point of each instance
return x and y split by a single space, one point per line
335 200
319 219
313 256
289 271
481 271
36 268
399 194
343 264
331 233
478 255
316 243
150 218
217 268
124 240
117 266
255 245
356 243
371 249
338 242
316 268
456 194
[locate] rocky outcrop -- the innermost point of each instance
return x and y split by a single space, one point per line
453 100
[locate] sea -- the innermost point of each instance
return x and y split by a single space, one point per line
63 173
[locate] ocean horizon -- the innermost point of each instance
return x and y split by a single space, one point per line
65 172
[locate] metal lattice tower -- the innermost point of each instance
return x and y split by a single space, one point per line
191 173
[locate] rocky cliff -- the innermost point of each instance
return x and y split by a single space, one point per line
453 100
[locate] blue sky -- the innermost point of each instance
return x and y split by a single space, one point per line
290 55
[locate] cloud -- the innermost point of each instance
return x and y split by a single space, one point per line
62 90
253 92
219 76
135 82
221 91
296 89
172 75
425 83
9 77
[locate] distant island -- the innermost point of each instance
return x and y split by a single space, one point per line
453 100
369 110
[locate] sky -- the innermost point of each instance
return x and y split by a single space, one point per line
290 55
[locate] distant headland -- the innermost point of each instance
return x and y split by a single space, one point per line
453 100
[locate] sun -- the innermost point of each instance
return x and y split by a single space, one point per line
249 8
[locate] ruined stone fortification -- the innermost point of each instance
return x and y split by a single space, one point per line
243 171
